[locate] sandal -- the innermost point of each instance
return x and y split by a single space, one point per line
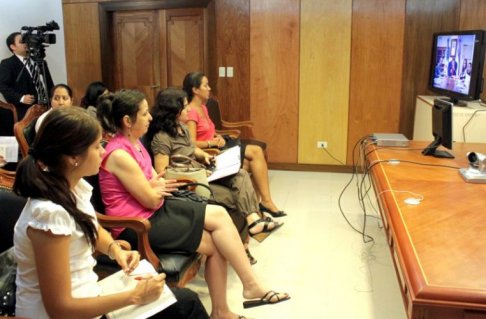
265 231
280 213
265 300
250 257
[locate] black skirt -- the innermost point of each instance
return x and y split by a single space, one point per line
176 226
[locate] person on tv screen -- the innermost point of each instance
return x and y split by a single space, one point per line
452 69
462 74
439 67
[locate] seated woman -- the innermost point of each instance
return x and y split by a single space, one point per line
61 95
169 135
130 187
203 134
57 232
90 98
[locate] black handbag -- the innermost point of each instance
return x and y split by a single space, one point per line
187 195
8 271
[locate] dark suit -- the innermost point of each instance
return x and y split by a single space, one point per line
452 69
13 91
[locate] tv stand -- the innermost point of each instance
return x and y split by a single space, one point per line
456 102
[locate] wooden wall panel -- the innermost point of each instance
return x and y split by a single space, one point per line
325 50
423 18
473 17
376 68
233 50
83 58
274 76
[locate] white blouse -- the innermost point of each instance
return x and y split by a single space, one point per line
45 215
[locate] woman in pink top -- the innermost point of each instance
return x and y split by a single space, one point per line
130 186
203 134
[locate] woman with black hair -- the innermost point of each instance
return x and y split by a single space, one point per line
61 96
168 135
131 187
203 135
57 231
90 98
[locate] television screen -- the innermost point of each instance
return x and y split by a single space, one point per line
457 64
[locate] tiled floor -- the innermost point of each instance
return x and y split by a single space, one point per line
317 258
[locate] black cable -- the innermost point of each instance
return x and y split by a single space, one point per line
341 195
464 127
393 148
334 157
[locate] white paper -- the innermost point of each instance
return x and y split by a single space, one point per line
119 282
9 148
227 163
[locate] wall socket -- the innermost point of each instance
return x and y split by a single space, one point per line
321 144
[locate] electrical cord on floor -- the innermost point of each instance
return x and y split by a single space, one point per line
366 238
334 157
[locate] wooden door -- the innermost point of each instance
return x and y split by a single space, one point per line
185 44
154 49
136 52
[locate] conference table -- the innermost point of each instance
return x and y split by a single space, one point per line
439 245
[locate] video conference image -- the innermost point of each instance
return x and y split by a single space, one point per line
453 62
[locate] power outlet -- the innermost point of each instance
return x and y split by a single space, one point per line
321 144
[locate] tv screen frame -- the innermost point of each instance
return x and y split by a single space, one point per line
476 78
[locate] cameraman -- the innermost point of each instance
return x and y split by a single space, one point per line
22 93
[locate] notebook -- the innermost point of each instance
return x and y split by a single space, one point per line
227 163
119 282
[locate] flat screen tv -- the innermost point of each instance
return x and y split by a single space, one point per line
457 65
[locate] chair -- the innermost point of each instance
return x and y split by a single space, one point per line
243 129
25 129
179 267
11 107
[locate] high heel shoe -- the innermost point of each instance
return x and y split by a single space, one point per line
250 257
265 231
280 213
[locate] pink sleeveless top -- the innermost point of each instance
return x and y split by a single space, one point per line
204 129
118 201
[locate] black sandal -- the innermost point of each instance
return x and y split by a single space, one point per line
280 213
265 231
265 300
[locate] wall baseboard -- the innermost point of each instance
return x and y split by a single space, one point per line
310 167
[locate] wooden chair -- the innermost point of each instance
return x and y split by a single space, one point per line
180 267
11 107
243 128
6 179
25 129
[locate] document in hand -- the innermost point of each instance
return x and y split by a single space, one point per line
227 163
9 148
119 282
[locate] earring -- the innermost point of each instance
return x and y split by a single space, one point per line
76 164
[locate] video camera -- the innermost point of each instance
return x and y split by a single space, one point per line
37 39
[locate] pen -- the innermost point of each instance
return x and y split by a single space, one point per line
142 278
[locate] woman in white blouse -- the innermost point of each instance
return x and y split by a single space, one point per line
57 231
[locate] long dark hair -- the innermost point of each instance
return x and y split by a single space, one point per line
168 106
112 107
65 132
192 80
93 92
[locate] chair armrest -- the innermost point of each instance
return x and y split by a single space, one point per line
141 226
212 151
232 125
6 179
187 180
10 106
231 133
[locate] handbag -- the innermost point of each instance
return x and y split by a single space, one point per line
8 271
184 166
187 195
